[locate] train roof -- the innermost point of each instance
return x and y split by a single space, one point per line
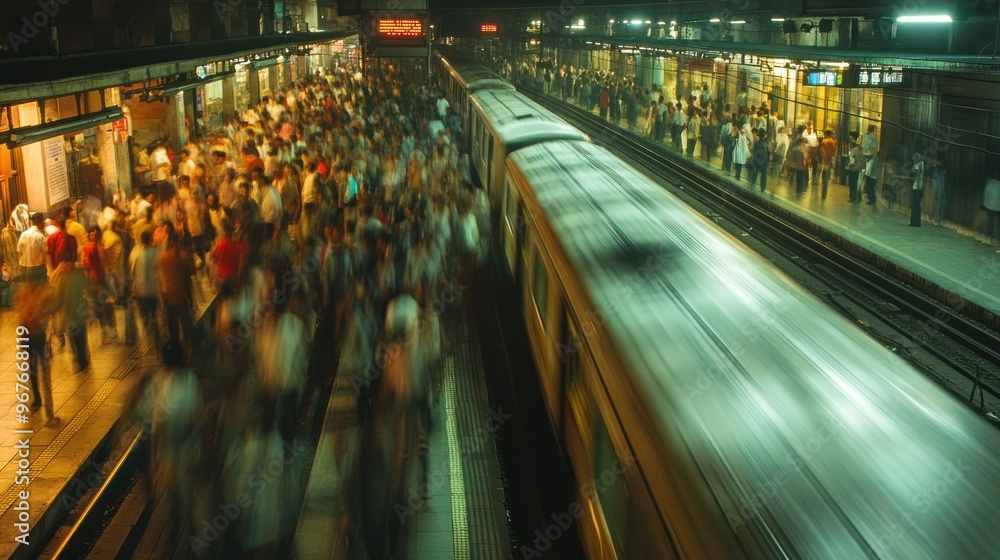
472 75
519 121
819 441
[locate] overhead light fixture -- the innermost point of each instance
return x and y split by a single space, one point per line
647 22
737 22
938 18
611 21
714 20
777 19
661 23
580 23
36 133
636 21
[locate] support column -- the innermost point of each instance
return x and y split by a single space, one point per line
272 79
253 83
175 120
229 109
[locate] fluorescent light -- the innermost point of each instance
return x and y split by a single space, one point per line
636 21
835 64
580 23
777 19
611 21
714 20
939 18
661 23
647 22
739 21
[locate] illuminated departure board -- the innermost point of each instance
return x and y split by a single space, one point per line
401 28
879 76
830 78
488 28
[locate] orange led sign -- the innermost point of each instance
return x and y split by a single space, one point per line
401 28
488 28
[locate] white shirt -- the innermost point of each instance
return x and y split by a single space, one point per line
186 167
31 247
270 206
309 189
140 265
161 164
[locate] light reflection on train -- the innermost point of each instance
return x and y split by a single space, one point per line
745 417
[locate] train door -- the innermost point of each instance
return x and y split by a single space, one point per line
490 186
513 227
542 299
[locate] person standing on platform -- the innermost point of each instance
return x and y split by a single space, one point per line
917 188
741 150
31 250
11 268
677 122
798 164
760 156
991 203
605 102
828 153
855 165
869 147
727 137
814 155
693 130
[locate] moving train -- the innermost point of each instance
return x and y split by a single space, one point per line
711 407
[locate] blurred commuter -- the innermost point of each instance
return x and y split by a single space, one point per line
174 267
144 283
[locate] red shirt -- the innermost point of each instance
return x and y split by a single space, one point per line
228 255
92 263
323 170
61 247
251 161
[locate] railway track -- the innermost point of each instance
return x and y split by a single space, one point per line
899 316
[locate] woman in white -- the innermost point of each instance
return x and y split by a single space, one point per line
741 152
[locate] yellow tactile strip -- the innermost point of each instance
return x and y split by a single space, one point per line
459 522
79 420
477 425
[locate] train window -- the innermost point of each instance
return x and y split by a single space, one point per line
577 398
510 209
609 482
540 287
489 167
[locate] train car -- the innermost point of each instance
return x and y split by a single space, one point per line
712 408
503 121
461 77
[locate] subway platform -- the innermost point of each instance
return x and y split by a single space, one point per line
936 258
64 458
463 516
